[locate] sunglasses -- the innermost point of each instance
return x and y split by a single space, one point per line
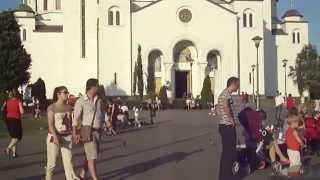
65 92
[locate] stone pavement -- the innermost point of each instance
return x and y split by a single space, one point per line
181 145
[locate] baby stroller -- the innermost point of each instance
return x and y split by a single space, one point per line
312 133
248 158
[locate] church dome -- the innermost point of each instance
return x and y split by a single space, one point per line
24 8
292 13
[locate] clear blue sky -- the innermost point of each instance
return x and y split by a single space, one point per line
310 8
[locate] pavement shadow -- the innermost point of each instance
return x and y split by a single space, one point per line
43 161
131 170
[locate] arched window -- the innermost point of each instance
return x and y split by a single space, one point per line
212 60
118 18
45 5
293 37
296 37
24 35
58 4
244 20
110 18
114 16
248 18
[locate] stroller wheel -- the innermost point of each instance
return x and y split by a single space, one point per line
276 167
235 168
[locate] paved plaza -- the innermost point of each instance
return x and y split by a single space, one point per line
182 145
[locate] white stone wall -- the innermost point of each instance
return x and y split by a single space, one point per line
248 55
159 27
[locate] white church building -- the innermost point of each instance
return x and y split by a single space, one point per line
182 41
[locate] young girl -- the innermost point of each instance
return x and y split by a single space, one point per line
293 141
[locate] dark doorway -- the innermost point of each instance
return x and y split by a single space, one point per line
181 83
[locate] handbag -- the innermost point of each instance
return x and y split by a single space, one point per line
4 111
86 131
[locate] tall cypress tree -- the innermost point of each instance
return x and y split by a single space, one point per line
135 79
206 93
14 60
140 73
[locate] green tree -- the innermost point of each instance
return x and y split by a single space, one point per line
38 91
305 73
14 60
206 93
135 79
151 77
139 73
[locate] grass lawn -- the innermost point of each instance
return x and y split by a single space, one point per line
31 126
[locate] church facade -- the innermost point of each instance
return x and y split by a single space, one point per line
180 43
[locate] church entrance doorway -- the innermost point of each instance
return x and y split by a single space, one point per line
182 84
184 56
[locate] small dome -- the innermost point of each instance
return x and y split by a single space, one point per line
24 8
292 13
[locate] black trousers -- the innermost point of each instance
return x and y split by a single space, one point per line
229 152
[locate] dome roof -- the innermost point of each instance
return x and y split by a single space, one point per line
292 13
25 8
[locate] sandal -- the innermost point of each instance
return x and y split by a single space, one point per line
7 152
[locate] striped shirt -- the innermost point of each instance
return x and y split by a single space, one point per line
224 117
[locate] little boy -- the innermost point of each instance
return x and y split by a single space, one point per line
294 141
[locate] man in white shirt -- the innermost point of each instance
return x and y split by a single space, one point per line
279 101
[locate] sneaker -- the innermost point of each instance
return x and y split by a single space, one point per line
15 155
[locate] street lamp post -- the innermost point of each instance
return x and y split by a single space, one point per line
191 63
253 95
285 62
257 40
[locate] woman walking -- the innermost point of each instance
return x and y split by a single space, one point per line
13 112
60 134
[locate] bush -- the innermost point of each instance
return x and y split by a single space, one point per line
164 97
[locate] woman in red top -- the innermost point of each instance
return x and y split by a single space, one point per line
290 102
14 111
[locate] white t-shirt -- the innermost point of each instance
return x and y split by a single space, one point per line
279 101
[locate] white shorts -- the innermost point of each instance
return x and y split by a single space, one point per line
294 157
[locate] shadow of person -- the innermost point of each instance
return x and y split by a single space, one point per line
131 170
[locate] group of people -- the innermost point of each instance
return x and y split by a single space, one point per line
70 125
286 137
191 102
